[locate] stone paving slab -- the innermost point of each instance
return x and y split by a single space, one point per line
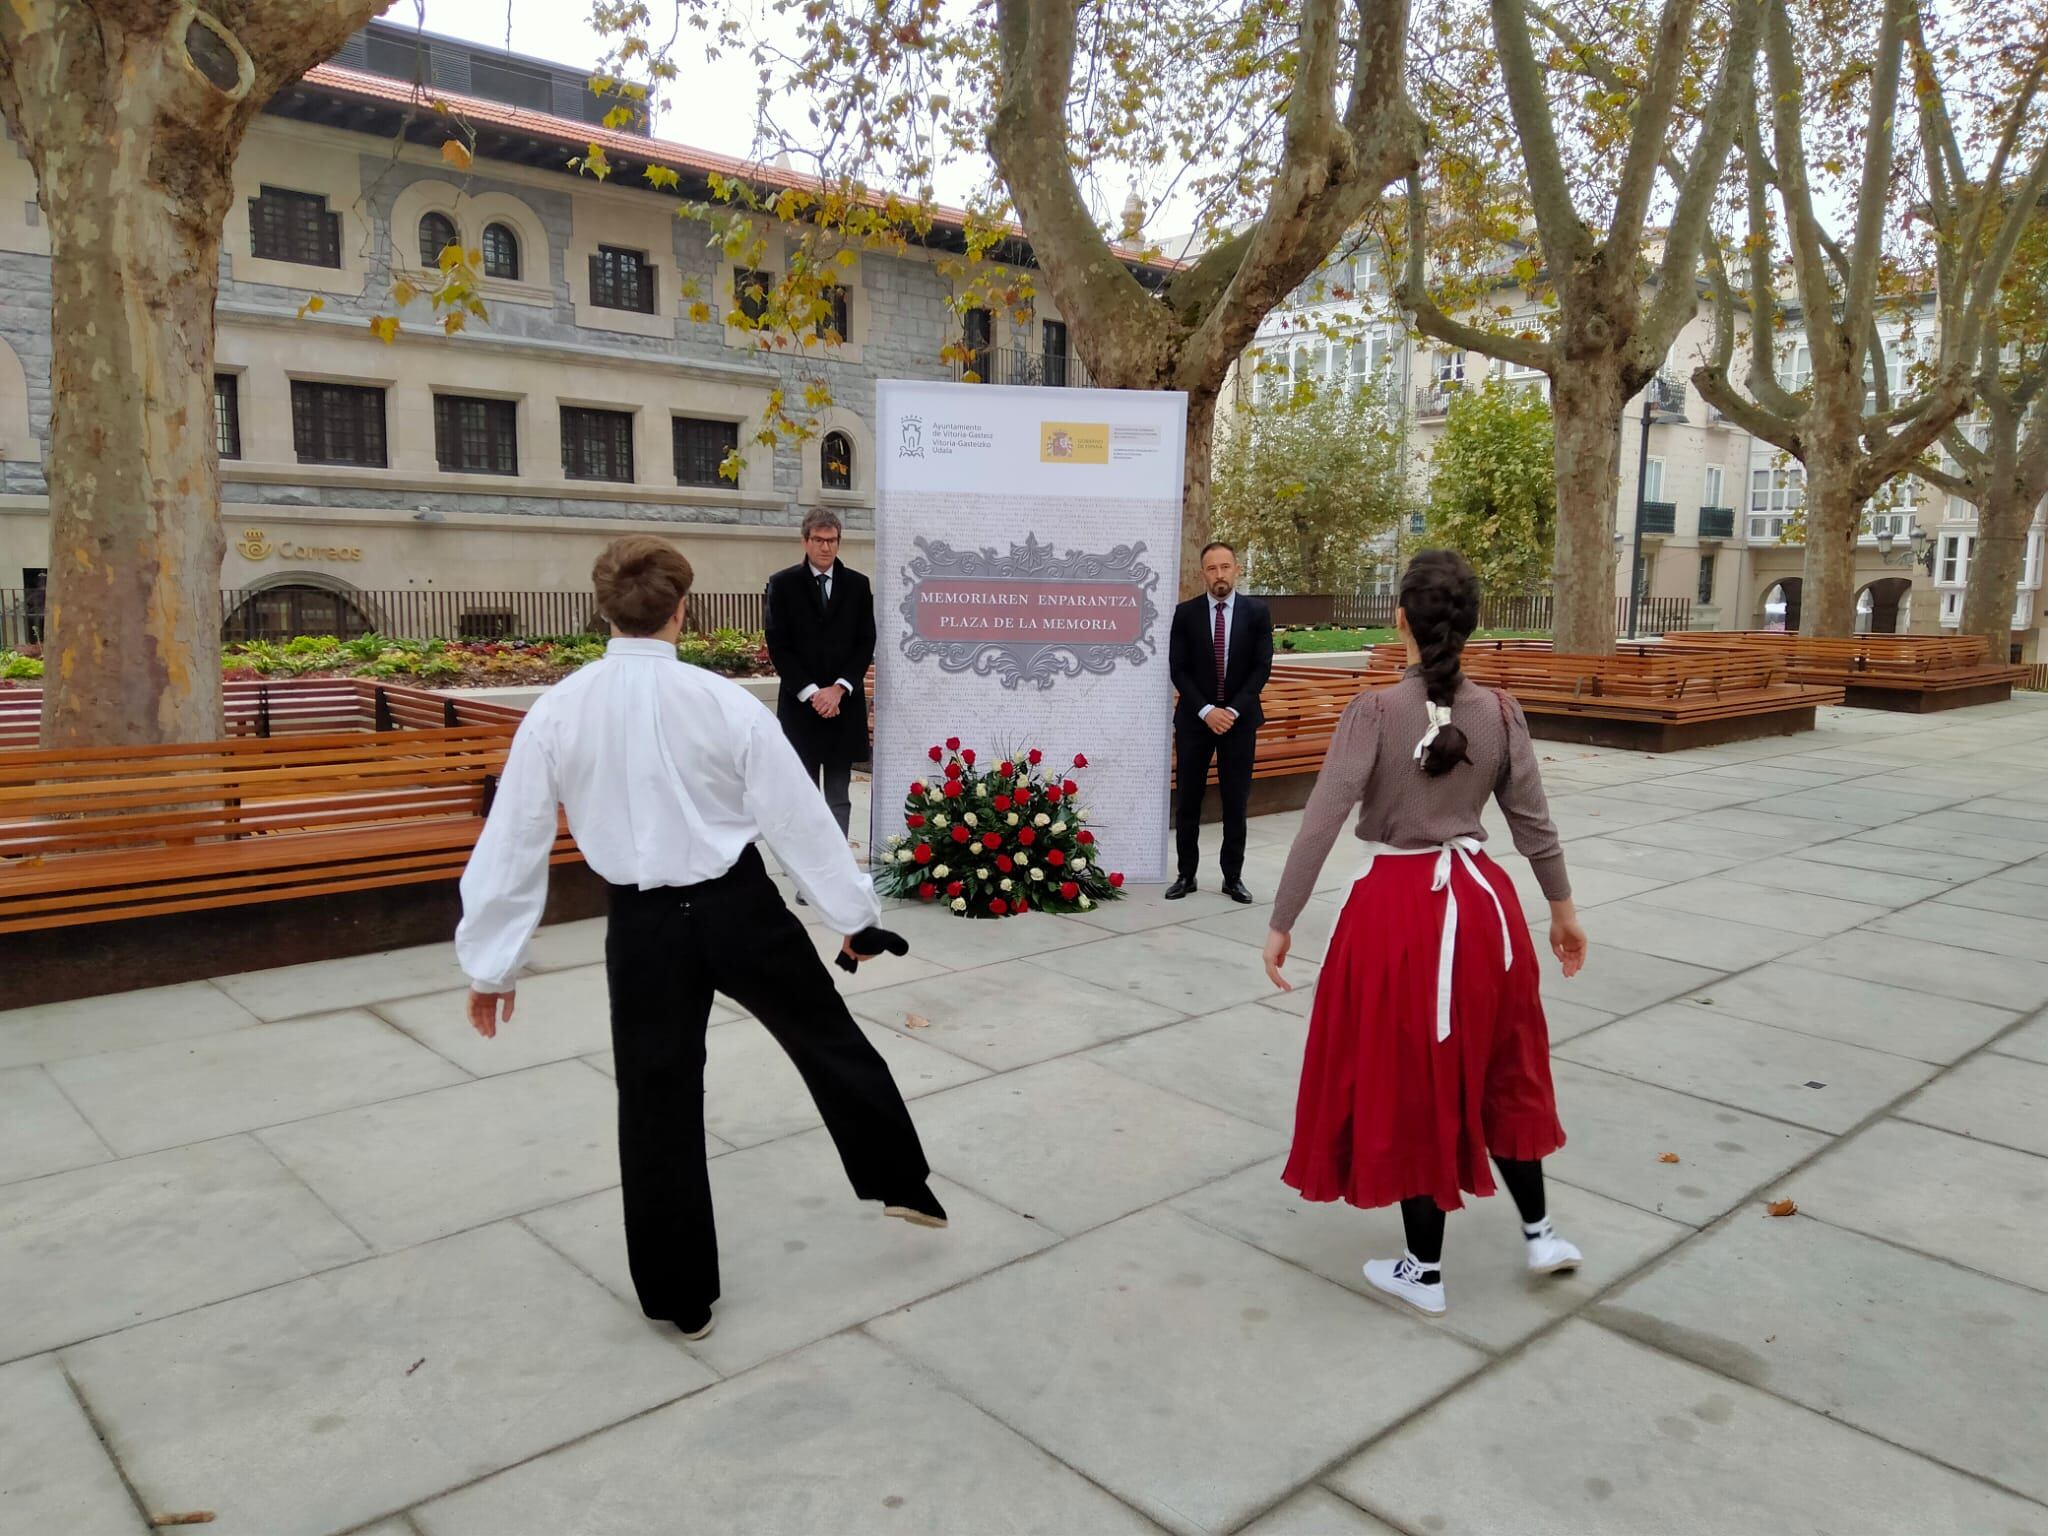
1848 1008
39 1130
975 1014
1245 1061
1989 1099
1918 863
1318 1512
2000 893
1611 1438
2002 981
290 1412
1815 877
117 1022
1711 1054
55 1478
800 1257
1497 1302
107 1247
1112 1351
1910 1348
1174 968
1787 912
1996 933
843 1437
1713 943
1622 981
159 1096
2029 1041
1967 1201
322 986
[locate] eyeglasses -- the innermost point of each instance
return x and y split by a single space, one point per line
823 540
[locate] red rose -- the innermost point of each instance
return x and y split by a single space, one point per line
913 820
1003 863
952 743
1052 794
927 891
1001 802
952 770
1069 890
953 888
1084 837
1005 768
924 853
1116 881
1019 908
936 754
1079 762
991 840
916 786
1034 757
996 906
954 789
1055 858
960 833
1070 787
1027 835
968 755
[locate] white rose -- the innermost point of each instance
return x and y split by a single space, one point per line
969 819
1040 820
1006 885
1080 816
981 874
939 873
1023 857
1086 903
1037 874
1078 865
959 904
934 796
1013 818
981 789
896 839
906 856
939 819
1058 827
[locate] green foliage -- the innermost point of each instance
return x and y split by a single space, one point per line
1303 487
1492 490
733 652
15 667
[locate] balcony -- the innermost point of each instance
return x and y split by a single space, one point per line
1667 393
1434 399
1717 522
1016 365
1659 517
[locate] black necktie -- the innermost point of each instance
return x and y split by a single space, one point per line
824 586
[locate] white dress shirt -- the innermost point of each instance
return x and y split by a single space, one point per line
1209 636
823 581
668 772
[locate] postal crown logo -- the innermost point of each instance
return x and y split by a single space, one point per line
254 545
910 441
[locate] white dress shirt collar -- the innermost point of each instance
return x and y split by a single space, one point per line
640 645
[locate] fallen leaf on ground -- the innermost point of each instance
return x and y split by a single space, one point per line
916 1021
190 1517
1783 1208
416 1365
1668 1157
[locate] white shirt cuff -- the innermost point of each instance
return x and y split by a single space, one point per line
1203 712
804 694
493 988
842 682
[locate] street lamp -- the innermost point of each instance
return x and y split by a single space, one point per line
1920 552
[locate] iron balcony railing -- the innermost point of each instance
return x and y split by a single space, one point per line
1717 522
1660 517
1019 365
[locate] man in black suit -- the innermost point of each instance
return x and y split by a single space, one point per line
820 618
1220 653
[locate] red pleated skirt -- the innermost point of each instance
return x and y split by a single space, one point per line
1386 1110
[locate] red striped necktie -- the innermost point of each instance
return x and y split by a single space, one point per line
1219 651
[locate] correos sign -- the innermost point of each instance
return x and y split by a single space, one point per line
255 545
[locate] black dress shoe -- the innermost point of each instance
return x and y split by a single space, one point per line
694 1327
921 1208
1235 890
1181 887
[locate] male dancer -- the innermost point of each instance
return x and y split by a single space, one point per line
670 774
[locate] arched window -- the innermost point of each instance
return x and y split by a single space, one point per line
501 252
437 233
835 462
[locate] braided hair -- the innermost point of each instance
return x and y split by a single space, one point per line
1440 595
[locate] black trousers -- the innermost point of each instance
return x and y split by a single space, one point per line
837 783
665 952
1194 746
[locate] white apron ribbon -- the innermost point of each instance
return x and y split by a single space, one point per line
1460 849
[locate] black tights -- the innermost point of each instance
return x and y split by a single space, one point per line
1423 1219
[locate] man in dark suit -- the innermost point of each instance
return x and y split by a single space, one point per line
820 618
1220 652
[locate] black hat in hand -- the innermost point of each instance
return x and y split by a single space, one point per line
867 944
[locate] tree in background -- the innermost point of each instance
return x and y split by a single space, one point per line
1493 486
131 113
1304 487
1607 128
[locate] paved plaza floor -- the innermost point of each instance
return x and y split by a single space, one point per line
297 1248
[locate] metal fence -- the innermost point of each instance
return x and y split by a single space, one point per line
286 613
1526 611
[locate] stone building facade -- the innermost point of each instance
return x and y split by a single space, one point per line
399 517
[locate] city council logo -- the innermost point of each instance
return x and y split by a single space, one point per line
255 544
1073 442
910 445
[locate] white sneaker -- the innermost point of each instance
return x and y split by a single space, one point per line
1402 1279
1550 1254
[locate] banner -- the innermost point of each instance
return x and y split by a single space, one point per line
1027 554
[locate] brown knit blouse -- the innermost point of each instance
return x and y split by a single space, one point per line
1371 765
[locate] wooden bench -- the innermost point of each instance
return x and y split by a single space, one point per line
266 707
123 867
1913 673
1642 698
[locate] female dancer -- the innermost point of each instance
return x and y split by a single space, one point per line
1427 1048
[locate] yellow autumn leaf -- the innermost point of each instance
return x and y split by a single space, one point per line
660 176
403 293
384 328
312 306
1782 1208
457 154
700 312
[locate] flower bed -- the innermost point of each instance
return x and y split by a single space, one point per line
441 663
997 842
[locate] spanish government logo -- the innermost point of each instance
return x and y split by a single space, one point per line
1073 442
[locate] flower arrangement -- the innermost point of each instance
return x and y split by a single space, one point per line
996 841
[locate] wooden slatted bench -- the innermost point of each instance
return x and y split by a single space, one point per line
1302 706
1642 698
124 867
1913 673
